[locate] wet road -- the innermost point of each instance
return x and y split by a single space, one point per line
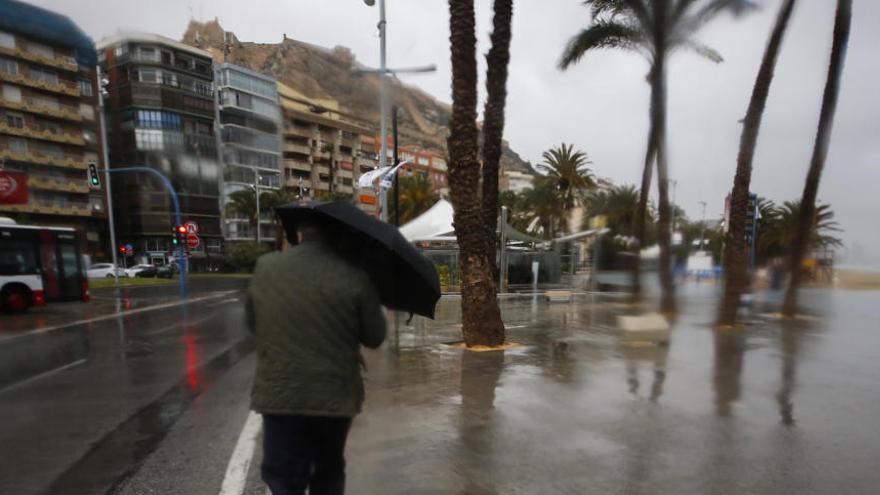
779 406
83 406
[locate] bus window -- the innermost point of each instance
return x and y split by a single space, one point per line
18 258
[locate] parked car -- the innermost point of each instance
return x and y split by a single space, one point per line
133 271
166 271
104 270
146 272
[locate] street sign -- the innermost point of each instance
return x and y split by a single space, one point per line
192 241
191 227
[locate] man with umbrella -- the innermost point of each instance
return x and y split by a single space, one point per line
310 310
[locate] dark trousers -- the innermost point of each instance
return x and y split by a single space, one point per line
302 452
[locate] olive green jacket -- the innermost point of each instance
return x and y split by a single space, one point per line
310 311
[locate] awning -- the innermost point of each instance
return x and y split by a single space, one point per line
436 225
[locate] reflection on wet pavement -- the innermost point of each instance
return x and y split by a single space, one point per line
774 407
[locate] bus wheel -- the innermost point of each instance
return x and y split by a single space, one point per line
14 300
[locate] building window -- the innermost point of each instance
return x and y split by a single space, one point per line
44 75
87 111
49 149
158 120
42 50
148 76
148 54
17 145
121 51
85 87
15 120
45 125
7 40
169 79
11 93
45 101
8 66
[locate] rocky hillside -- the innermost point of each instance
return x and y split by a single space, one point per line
319 72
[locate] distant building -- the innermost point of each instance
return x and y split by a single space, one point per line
422 162
249 124
48 125
161 113
322 148
516 181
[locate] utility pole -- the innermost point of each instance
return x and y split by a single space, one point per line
396 181
257 202
106 156
674 183
702 225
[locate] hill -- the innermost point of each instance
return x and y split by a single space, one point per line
320 72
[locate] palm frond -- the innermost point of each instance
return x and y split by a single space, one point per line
602 34
702 50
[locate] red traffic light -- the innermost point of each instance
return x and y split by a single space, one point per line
180 229
122 249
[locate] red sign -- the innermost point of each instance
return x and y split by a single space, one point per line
13 188
368 200
192 241
346 165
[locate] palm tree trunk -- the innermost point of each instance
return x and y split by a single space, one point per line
481 317
642 211
493 119
735 254
658 74
842 21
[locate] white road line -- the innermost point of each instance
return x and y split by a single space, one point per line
239 464
42 375
116 315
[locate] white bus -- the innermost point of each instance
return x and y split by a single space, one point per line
39 265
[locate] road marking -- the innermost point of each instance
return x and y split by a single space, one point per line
239 464
42 375
117 315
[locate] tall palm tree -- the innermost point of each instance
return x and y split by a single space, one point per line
493 118
539 209
735 255
570 171
481 317
653 29
417 195
842 21
778 232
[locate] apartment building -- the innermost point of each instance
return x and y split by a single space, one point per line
321 148
161 110
249 118
48 122
423 162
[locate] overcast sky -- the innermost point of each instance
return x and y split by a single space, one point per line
601 104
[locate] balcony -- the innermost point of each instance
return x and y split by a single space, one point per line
30 105
70 90
51 208
298 130
293 183
63 62
61 137
296 165
38 158
50 184
297 148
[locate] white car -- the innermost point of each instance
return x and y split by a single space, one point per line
133 271
104 270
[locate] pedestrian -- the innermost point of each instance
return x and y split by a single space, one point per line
310 311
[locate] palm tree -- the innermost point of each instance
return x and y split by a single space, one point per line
778 232
244 202
417 195
481 317
618 204
570 172
654 29
735 255
272 199
842 21
538 210
493 118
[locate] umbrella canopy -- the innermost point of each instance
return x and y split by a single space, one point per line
406 280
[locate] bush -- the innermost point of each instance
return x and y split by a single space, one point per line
443 274
243 256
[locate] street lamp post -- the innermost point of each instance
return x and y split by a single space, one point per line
257 201
702 225
383 98
105 155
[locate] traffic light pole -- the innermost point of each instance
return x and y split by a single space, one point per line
178 221
106 157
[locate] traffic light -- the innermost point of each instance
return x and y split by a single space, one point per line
122 249
94 178
179 232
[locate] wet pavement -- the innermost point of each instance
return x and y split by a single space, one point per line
157 400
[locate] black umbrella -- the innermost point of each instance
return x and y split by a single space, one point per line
406 280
